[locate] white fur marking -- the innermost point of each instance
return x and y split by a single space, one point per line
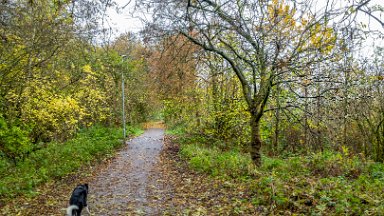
71 208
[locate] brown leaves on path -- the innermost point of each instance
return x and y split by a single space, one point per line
198 194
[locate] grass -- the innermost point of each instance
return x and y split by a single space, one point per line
178 131
58 160
324 183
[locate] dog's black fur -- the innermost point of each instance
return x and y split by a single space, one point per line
78 200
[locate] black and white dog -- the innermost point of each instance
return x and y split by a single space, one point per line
78 200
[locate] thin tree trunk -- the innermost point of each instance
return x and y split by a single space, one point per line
277 122
255 140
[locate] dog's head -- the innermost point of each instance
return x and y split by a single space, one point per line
84 187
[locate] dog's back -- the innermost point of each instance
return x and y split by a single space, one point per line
78 200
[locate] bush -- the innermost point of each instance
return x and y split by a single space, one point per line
52 117
14 141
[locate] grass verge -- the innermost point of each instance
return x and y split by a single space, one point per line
58 160
324 183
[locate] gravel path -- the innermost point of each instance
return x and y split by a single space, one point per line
131 185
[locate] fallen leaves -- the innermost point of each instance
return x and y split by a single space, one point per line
194 193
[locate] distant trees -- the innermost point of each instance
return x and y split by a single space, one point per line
284 55
172 66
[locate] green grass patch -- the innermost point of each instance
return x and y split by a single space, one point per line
324 183
213 160
57 160
133 131
175 131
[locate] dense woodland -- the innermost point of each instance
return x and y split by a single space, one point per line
266 78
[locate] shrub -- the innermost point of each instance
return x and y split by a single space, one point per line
14 141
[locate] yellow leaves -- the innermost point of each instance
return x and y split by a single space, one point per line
87 69
12 96
94 102
54 114
62 78
283 22
278 9
306 82
345 150
91 76
281 16
322 38
304 21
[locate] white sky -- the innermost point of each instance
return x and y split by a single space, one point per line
124 20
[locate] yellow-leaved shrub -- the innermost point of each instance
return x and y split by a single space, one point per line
53 117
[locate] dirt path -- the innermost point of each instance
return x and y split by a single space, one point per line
131 180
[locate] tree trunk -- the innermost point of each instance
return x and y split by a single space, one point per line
277 121
255 140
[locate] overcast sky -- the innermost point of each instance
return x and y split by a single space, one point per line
125 20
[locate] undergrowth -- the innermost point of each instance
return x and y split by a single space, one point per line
57 160
323 183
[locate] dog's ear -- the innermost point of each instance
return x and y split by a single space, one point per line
86 185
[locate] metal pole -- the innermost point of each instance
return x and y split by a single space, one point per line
123 98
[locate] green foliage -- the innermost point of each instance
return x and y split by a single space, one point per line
376 171
131 130
327 183
59 159
173 112
213 160
55 83
229 124
14 141
335 164
176 131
